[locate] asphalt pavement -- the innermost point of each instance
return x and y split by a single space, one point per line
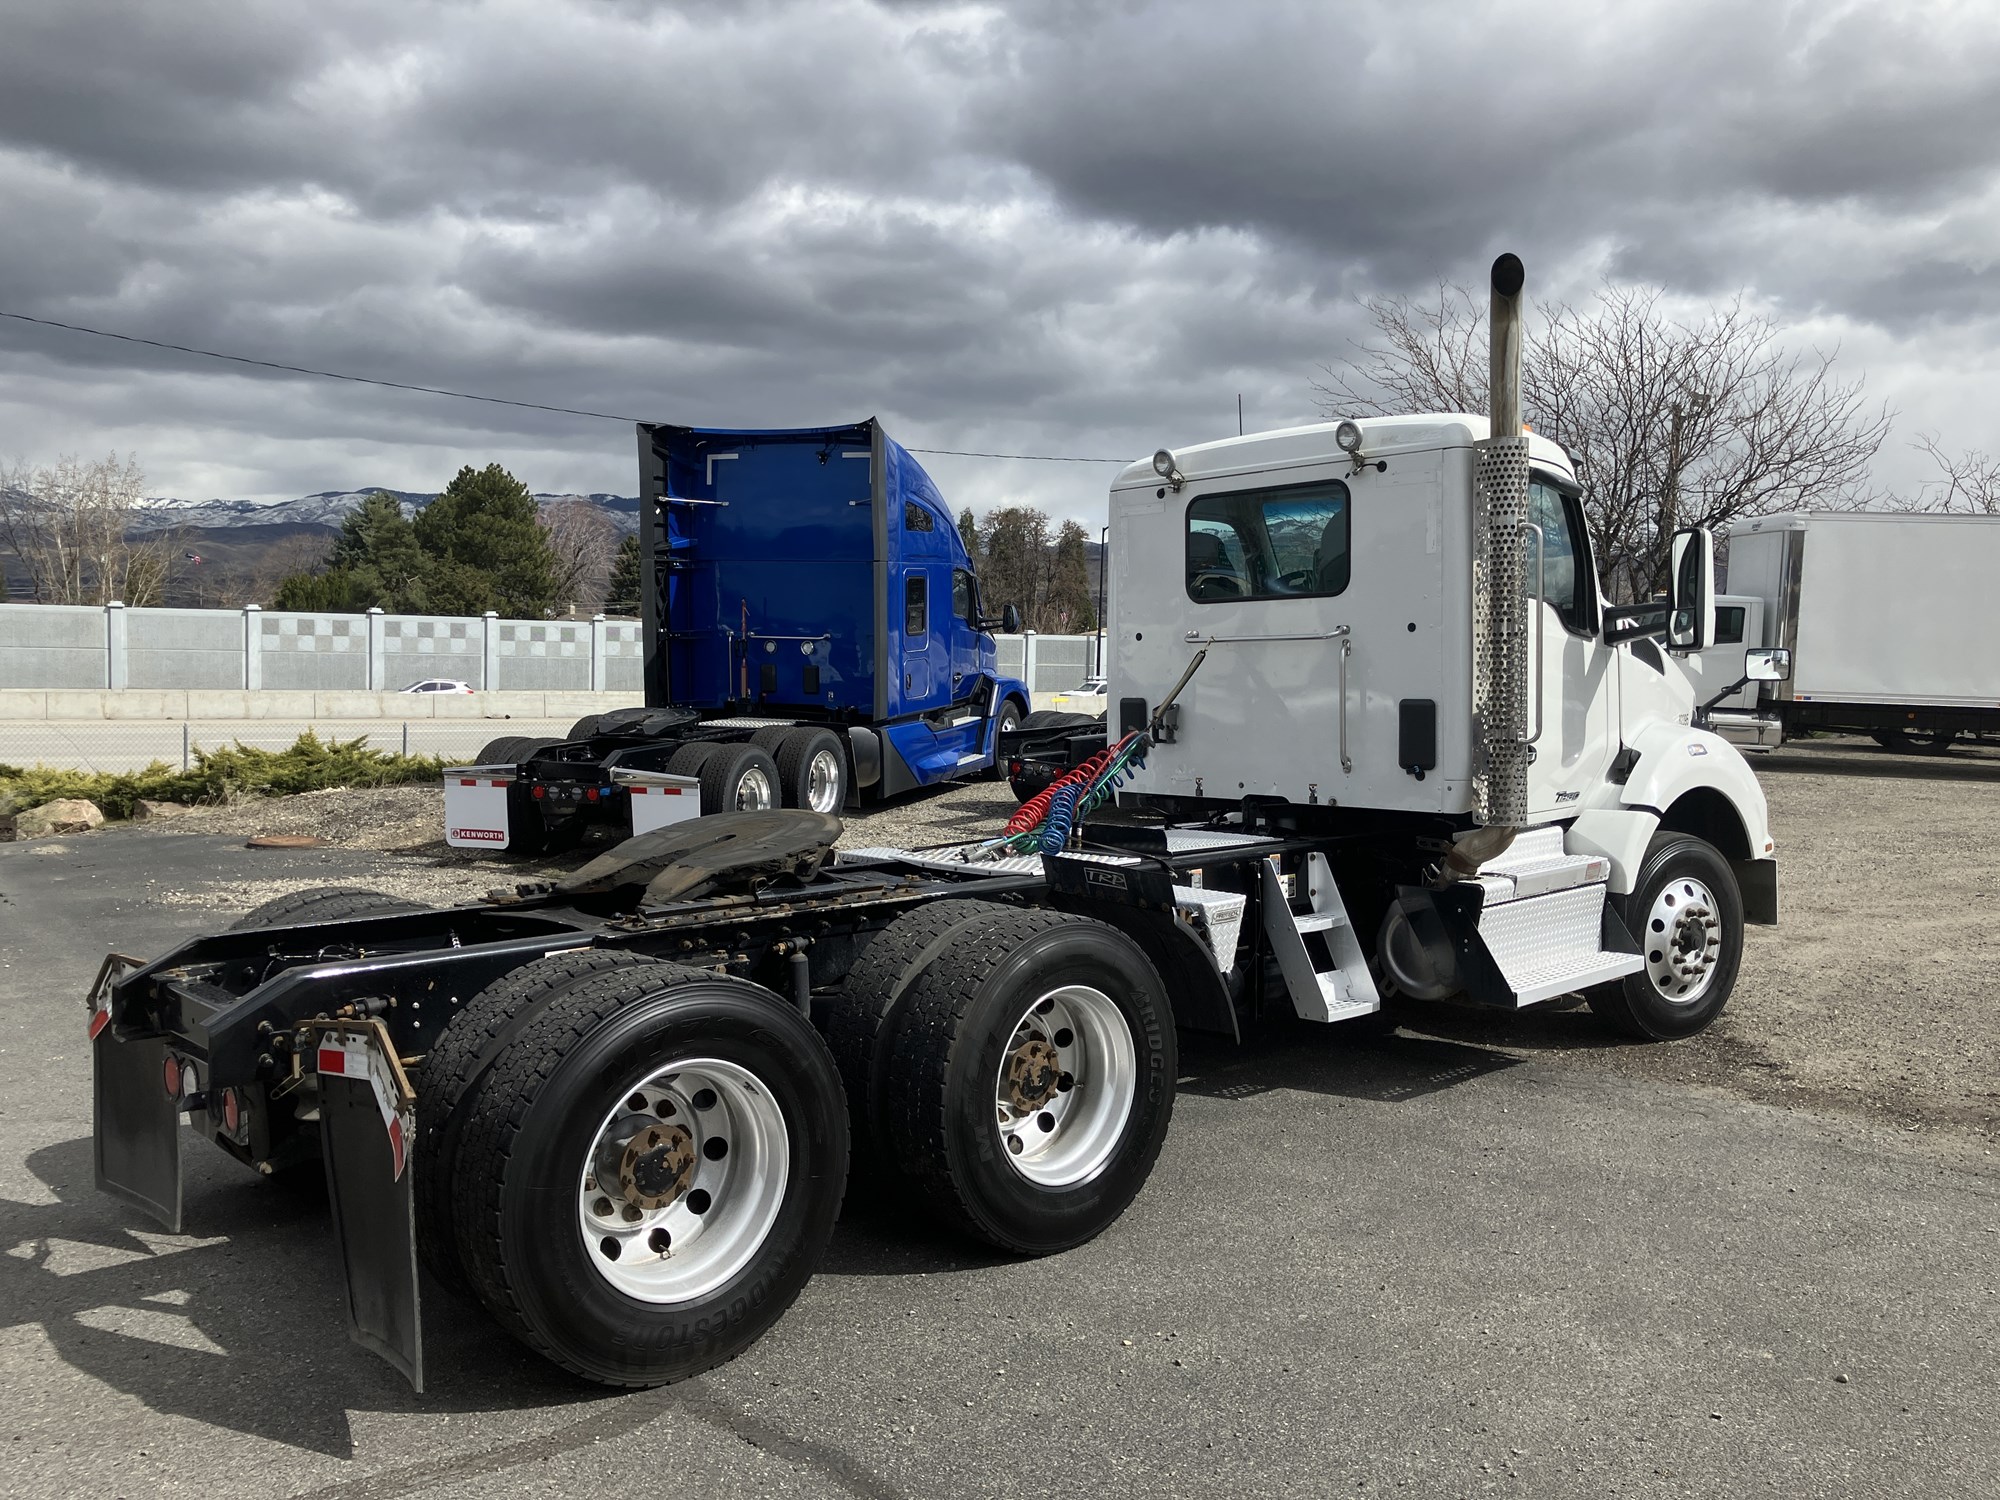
1407 1265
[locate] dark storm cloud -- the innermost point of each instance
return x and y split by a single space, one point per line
1042 227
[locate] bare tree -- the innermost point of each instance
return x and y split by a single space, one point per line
583 539
1669 422
1967 482
70 524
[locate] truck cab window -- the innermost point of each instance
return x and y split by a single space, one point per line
916 604
1729 624
964 596
1283 543
1568 584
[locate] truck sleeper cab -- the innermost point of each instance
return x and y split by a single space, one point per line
814 636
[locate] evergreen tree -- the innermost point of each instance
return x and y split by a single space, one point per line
1070 609
379 548
622 596
968 533
487 549
336 591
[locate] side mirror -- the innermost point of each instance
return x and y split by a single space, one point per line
1691 590
1010 619
1767 664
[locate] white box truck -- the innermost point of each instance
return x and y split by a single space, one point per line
1888 619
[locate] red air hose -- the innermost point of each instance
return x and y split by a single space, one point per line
1030 813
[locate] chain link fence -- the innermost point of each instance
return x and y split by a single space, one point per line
116 746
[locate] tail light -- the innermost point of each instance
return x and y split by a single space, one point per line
170 1076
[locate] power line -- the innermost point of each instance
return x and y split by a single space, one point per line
435 390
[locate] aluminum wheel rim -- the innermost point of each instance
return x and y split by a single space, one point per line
823 781
753 791
721 1217
1683 940
1068 1136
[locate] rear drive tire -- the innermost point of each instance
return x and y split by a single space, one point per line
689 759
1916 741
585 727
703 1238
452 1074
1687 914
529 748
329 903
770 737
812 770
738 778
500 752
1032 1079
862 1022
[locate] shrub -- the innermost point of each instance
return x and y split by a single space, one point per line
236 771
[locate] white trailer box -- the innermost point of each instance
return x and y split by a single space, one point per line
1891 610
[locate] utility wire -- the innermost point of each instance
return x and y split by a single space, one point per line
434 390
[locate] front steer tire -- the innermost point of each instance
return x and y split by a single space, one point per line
1658 1003
517 1190
968 1016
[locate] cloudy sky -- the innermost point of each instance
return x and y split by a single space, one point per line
1047 227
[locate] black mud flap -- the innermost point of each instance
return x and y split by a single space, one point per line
366 1126
136 1127
135 1123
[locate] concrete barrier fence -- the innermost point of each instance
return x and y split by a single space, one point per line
109 649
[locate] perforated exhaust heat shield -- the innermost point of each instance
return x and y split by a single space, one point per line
1500 624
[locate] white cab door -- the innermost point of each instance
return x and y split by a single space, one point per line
1574 674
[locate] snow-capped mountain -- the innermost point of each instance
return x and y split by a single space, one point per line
328 507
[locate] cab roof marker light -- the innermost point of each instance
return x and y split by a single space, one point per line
1164 466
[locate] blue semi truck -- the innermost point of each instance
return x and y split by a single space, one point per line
814 636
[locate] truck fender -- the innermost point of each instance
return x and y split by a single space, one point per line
1195 988
866 746
1619 834
1005 688
1697 782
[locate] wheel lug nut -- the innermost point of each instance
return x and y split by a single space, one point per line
1014 1144
631 1214
601 1207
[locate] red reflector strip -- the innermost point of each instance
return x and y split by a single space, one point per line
333 1060
99 1019
468 781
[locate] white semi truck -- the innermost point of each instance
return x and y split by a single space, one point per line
1888 621
1380 736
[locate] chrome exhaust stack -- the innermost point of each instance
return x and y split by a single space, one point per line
1501 617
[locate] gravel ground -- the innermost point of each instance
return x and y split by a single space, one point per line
1879 993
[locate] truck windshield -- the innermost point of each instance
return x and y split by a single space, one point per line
1284 543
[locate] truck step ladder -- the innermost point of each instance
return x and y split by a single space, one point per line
1543 918
1336 986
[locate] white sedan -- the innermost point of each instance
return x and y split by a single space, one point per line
440 685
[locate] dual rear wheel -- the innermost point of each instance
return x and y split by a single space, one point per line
1014 1067
634 1165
